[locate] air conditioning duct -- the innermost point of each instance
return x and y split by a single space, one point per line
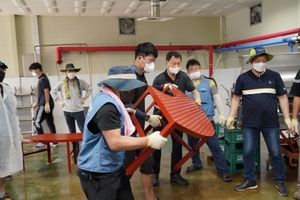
155 13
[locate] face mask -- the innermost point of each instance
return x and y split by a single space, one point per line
2 76
260 67
195 75
149 67
34 74
71 75
126 96
174 70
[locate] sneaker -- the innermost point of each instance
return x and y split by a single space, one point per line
297 195
155 179
226 178
40 145
192 168
7 197
246 185
9 177
54 144
283 191
178 179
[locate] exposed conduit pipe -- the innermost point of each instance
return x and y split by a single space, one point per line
263 37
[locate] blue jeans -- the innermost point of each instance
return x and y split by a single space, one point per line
70 119
251 139
217 153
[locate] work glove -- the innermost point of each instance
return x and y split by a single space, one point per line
156 141
34 105
21 137
83 100
170 86
154 120
61 102
222 119
295 124
130 111
198 101
47 108
230 122
289 125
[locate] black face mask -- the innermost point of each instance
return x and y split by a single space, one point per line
127 96
2 76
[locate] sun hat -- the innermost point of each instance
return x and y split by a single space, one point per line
2 65
122 78
259 51
70 66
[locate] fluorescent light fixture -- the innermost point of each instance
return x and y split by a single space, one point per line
21 10
105 4
197 11
82 10
22 2
228 6
77 3
217 11
128 10
175 11
108 11
28 10
184 5
56 10
49 10
158 19
207 5
133 11
16 2
54 4
47 3
134 4
77 10
163 4
103 10
0 10
83 4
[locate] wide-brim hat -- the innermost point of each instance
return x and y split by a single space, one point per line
122 78
259 51
70 66
2 65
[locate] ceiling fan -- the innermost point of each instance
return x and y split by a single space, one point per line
155 13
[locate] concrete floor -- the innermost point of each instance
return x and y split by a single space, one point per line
44 182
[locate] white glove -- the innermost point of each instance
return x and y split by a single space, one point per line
198 101
47 108
222 119
61 103
170 85
154 120
295 124
34 105
130 111
156 141
83 100
21 137
230 122
289 125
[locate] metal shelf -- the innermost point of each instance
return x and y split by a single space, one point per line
23 107
23 94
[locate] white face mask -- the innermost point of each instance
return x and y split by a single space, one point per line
34 74
195 75
260 67
71 75
173 70
149 67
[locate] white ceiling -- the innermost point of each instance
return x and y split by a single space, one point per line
123 8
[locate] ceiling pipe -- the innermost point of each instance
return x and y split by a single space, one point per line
291 41
59 50
263 37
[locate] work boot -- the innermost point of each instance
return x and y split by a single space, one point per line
178 179
155 179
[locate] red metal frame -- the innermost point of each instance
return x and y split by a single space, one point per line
181 113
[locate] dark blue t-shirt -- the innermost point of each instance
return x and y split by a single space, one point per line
259 98
43 84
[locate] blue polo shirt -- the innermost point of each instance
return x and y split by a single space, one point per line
259 98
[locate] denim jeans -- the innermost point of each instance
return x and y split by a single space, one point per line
251 139
214 147
70 119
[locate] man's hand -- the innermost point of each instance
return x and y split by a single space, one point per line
156 141
170 85
47 108
222 119
230 122
34 105
198 101
83 100
130 111
61 102
295 124
289 125
154 120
